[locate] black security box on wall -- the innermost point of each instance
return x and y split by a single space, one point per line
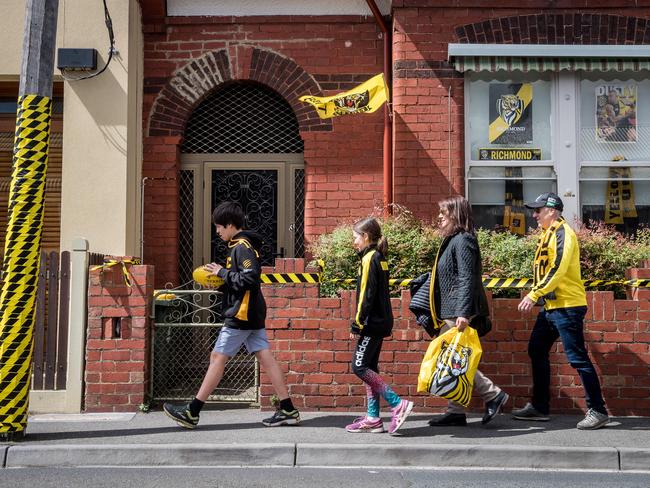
71 59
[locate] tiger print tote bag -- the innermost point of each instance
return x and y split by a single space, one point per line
449 365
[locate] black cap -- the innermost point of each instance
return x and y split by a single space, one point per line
550 200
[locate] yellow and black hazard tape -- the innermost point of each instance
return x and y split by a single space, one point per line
491 283
109 263
528 282
271 278
21 260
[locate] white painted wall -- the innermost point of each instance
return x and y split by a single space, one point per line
102 120
102 127
241 8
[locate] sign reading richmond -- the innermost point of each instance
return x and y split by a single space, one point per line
511 154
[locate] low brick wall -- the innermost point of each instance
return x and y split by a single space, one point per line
310 339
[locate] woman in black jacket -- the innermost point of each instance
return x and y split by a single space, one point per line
457 297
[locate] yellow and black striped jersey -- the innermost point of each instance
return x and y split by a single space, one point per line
556 268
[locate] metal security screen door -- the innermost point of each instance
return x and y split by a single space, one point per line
270 189
242 143
256 190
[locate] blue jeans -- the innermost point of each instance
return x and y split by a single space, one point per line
566 323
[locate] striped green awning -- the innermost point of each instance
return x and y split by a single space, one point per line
510 63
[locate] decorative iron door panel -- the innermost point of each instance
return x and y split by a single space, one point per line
256 190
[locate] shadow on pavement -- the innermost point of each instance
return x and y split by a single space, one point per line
501 427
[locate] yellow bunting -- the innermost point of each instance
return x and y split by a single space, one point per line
109 263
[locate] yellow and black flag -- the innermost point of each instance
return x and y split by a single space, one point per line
363 99
511 113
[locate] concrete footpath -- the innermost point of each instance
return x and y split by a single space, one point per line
235 437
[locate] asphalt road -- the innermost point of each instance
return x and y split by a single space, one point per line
313 477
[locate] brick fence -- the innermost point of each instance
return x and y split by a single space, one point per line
310 340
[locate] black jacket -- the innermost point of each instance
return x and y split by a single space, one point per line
458 285
374 315
243 303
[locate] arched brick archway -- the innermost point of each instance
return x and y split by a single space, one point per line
568 28
168 117
197 79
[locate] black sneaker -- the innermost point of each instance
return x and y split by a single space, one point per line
181 414
282 417
530 413
449 419
494 406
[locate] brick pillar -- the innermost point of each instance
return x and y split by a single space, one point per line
638 274
118 339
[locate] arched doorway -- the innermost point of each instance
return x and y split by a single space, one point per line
241 143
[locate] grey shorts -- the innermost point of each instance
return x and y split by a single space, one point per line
230 340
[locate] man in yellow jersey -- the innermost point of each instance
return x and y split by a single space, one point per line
557 283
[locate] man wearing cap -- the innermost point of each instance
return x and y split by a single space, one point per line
557 283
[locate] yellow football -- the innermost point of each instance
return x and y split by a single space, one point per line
205 278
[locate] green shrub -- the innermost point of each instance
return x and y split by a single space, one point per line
507 255
412 247
605 254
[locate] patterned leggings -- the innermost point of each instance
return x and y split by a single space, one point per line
365 365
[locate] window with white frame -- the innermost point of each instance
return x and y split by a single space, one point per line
509 145
584 135
614 177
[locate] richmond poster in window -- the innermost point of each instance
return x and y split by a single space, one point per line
511 113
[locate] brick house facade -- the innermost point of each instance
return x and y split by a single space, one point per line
187 59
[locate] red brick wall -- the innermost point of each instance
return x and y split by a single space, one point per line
324 55
310 339
294 56
117 367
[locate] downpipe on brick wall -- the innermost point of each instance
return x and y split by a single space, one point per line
451 185
388 126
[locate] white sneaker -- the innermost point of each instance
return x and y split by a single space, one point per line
593 420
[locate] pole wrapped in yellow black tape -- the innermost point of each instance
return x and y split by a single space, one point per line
21 258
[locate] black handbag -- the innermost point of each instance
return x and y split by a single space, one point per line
482 324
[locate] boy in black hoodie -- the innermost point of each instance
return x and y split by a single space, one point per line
244 311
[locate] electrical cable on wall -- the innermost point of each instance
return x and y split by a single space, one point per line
111 49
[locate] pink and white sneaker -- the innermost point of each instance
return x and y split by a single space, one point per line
363 424
400 412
